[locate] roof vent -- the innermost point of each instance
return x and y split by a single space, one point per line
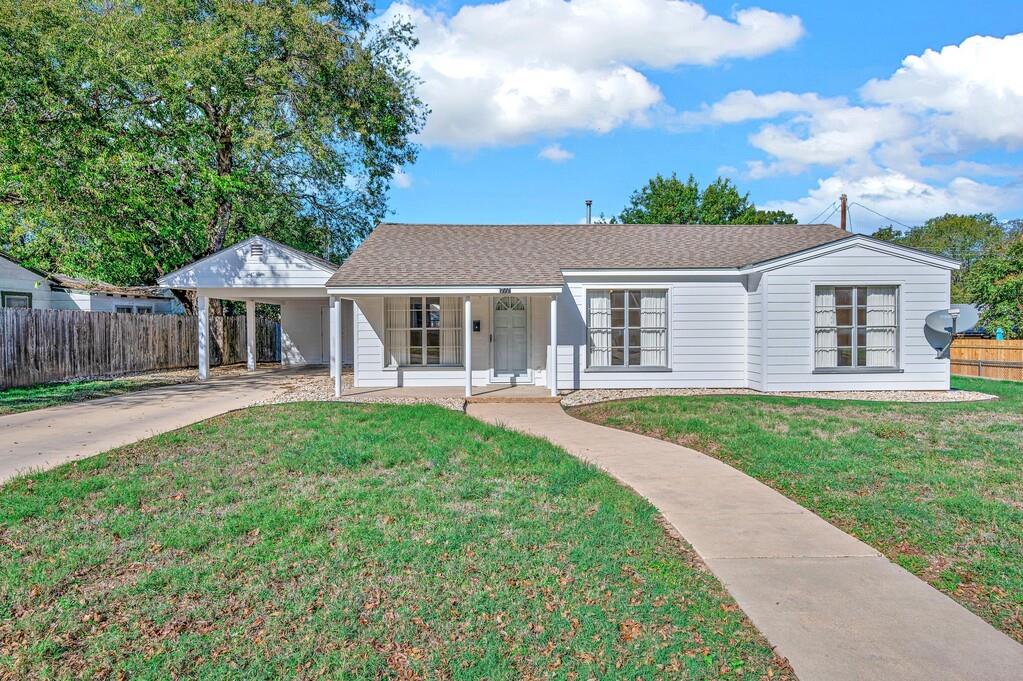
256 250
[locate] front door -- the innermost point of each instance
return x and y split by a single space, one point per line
510 339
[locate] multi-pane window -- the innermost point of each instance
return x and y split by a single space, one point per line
627 328
15 299
423 331
856 327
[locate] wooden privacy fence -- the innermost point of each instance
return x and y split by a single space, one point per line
988 358
42 346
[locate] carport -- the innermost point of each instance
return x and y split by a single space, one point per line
260 270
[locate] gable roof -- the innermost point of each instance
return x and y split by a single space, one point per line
9 258
535 255
231 259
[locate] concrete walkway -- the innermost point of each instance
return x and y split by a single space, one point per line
45 438
832 605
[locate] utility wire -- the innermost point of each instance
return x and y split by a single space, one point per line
814 221
829 215
901 224
848 215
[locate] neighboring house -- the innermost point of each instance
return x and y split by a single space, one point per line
768 307
25 287
21 286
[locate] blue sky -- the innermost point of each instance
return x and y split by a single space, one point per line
616 92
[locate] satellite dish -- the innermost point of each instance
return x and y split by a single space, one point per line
941 325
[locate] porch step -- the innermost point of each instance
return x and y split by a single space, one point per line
509 399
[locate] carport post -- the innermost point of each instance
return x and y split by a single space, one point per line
333 336
336 319
467 351
250 335
204 337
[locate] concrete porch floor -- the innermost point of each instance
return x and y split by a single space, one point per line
486 393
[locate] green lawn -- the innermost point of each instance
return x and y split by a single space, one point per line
13 400
937 487
353 541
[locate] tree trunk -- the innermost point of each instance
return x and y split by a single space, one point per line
225 166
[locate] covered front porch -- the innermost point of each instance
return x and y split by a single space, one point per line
484 342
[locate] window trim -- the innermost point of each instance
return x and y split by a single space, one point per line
630 286
408 307
4 295
898 284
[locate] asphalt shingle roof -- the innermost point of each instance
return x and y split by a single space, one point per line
535 255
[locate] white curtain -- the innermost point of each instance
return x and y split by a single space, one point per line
396 337
599 304
653 321
881 326
451 333
825 322
397 325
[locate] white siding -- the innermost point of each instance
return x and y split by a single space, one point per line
302 340
707 336
922 289
16 279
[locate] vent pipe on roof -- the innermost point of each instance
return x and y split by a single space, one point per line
845 210
589 211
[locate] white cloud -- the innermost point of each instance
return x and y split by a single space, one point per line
973 90
899 196
555 153
831 136
504 72
905 149
746 105
402 180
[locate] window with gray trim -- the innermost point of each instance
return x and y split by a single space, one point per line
16 299
856 327
627 328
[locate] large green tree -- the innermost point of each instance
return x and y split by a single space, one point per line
138 135
669 200
966 238
995 282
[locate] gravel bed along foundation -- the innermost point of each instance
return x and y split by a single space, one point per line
321 389
580 397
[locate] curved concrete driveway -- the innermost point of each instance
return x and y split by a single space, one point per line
832 605
45 438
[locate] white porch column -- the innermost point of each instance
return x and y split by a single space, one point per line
250 335
552 363
204 337
467 350
336 325
333 337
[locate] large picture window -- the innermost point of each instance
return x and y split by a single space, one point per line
627 328
423 331
856 327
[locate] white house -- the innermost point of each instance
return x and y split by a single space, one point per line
768 307
27 288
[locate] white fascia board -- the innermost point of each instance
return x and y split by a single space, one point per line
355 291
261 292
863 242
